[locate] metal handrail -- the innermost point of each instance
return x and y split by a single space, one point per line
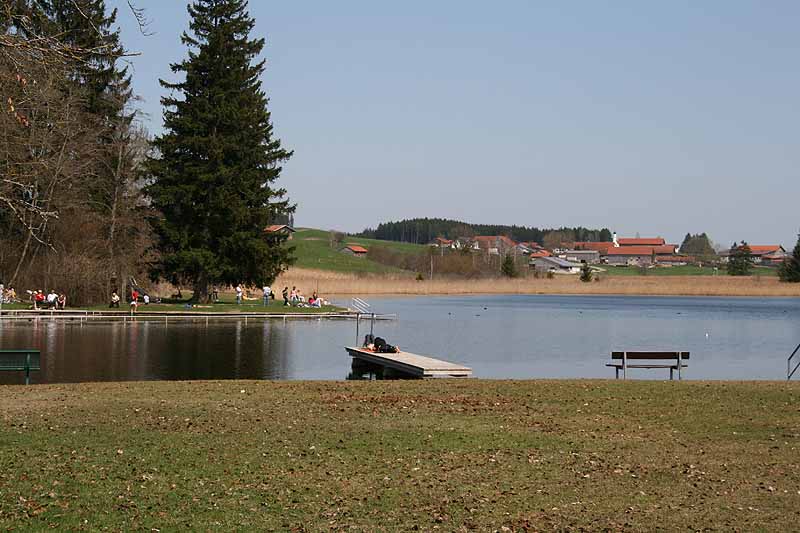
789 371
361 306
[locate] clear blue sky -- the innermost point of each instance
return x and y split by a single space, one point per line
658 118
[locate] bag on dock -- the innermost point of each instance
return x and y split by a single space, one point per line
381 346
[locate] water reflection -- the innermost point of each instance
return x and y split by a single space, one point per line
147 350
498 336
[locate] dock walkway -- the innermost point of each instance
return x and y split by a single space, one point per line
420 366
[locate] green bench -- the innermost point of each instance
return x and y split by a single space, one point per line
21 361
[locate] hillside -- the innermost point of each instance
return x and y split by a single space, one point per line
313 250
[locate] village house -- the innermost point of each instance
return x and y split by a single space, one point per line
639 255
441 242
556 265
527 248
577 256
674 260
762 254
279 230
599 247
495 244
354 249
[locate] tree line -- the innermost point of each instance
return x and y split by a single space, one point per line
425 230
88 200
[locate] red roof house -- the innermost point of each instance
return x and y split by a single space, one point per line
354 249
658 241
495 244
279 230
601 247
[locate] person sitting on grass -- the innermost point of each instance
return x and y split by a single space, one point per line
38 299
51 299
61 301
315 300
114 301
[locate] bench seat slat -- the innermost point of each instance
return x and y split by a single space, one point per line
675 366
650 355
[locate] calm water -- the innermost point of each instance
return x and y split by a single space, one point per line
498 336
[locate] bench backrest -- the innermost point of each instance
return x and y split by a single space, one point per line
650 355
19 359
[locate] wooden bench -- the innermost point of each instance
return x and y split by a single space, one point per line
672 360
20 360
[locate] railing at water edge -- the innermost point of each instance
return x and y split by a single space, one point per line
789 370
363 308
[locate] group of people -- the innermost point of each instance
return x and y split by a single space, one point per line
115 299
295 298
8 296
290 298
51 300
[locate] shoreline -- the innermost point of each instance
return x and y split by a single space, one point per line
347 284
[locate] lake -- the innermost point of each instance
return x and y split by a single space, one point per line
517 337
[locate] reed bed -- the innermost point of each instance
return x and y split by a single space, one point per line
341 283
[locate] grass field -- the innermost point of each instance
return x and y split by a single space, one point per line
226 304
401 456
313 250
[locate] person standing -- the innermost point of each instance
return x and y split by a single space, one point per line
134 300
267 290
239 294
285 295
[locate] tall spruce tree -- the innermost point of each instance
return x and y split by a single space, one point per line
213 182
790 269
740 261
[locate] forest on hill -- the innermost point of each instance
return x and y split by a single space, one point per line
424 230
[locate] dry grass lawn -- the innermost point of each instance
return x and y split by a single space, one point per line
332 283
401 456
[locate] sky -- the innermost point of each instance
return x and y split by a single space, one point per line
657 118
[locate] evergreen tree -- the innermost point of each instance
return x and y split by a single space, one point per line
698 246
586 272
740 261
790 269
214 180
508 268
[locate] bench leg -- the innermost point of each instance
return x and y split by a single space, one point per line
616 371
27 375
670 374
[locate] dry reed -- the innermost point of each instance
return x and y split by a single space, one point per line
339 283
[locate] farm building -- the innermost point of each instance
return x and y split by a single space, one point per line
354 249
639 255
279 230
576 256
762 254
555 265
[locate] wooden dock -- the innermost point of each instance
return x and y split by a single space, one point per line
419 366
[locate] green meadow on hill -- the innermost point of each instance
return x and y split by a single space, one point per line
315 250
